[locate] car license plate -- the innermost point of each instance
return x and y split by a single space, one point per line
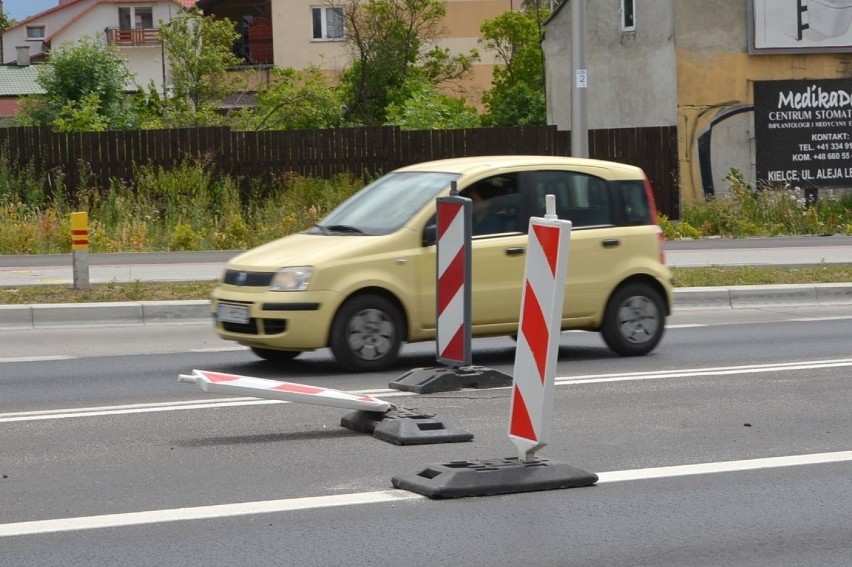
230 313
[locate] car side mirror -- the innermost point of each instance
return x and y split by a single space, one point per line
430 234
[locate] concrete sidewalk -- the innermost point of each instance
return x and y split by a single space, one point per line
207 266
18 271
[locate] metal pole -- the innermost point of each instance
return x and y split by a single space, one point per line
579 86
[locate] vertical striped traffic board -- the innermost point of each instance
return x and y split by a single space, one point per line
538 332
453 280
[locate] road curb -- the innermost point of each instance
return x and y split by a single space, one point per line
756 296
14 317
98 314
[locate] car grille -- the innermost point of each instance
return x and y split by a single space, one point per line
248 279
270 327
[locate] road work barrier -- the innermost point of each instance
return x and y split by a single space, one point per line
453 308
532 389
373 416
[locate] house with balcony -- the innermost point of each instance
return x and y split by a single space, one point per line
132 26
301 33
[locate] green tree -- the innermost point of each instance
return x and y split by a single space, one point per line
427 108
199 53
293 100
392 41
516 96
85 84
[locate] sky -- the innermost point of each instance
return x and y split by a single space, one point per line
20 9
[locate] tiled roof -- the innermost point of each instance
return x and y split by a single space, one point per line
185 3
17 81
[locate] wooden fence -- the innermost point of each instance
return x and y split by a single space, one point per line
365 151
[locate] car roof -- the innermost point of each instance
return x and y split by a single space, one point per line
480 164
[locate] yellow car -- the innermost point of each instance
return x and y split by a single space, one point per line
362 281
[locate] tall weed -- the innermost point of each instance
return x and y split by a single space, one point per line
190 208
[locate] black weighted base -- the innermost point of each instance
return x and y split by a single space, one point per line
405 427
497 476
430 380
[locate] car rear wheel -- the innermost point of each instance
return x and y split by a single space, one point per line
366 333
273 355
634 321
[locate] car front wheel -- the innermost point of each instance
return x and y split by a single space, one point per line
366 334
634 321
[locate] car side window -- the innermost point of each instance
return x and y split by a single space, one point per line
496 204
633 202
583 199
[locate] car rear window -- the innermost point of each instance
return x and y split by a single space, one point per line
633 205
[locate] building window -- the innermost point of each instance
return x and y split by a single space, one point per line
135 17
35 32
327 23
628 15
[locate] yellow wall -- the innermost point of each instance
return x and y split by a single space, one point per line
711 82
293 46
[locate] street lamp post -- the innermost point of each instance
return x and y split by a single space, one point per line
579 85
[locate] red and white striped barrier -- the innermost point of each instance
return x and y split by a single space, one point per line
236 385
538 333
453 332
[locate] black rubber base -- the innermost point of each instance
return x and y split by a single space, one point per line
429 380
405 427
498 476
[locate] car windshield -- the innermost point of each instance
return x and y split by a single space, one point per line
386 204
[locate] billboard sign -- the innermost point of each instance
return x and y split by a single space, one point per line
795 26
803 132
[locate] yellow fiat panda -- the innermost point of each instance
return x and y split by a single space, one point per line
362 281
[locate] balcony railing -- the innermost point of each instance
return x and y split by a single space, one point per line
134 36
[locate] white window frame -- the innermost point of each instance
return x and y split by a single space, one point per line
32 37
324 17
628 7
133 16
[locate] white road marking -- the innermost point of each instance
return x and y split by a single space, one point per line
69 413
380 497
35 359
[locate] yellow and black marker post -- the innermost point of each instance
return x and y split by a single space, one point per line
80 249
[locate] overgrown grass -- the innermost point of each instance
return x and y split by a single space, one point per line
186 208
189 208
747 211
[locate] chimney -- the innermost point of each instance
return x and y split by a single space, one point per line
23 55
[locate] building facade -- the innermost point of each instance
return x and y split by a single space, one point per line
311 32
760 86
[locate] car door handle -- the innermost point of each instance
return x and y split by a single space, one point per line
611 243
514 251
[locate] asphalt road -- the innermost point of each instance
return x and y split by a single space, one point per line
105 459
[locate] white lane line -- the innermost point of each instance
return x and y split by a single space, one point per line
380 497
698 372
726 466
201 512
35 359
386 393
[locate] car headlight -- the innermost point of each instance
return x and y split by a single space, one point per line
292 279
